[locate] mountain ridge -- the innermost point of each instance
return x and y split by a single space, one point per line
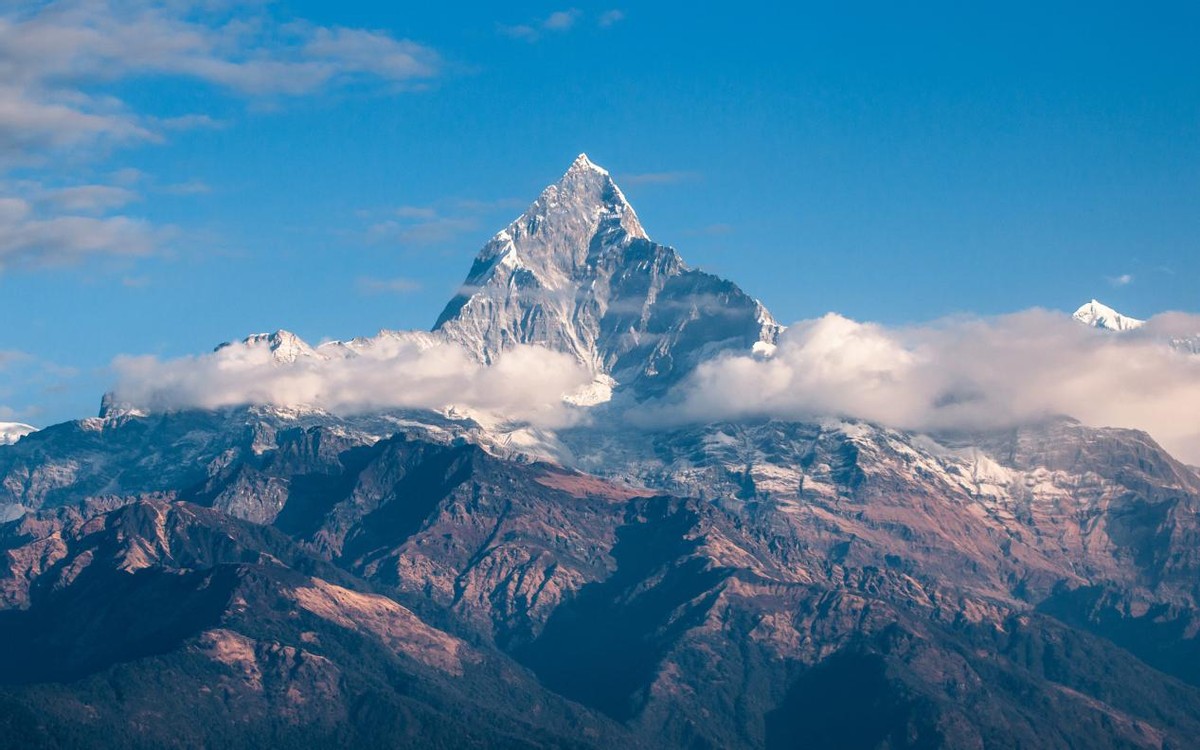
578 273
1099 315
409 576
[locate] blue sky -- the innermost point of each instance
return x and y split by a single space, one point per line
174 178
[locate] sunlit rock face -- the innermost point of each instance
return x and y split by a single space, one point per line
577 272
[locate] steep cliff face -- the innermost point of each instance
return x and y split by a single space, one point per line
577 273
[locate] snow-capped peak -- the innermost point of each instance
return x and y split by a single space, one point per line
1099 315
577 273
285 346
11 432
558 245
582 162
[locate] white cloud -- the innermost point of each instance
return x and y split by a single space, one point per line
9 357
369 285
191 122
33 120
959 374
59 61
1124 279
526 385
29 238
54 57
90 198
432 231
558 21
425 226
660 178
610 17
192 187
562 20
713 230
416 212
520 31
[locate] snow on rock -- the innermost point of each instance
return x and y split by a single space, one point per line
1099 315
11 432
577 273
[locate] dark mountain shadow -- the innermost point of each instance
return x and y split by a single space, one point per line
604 646
312 496
411 500
109 616
849 702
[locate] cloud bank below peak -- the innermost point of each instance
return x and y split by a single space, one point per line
392 371
958 374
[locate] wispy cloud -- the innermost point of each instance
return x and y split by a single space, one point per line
660 178
1124 279
243 47
562 20
432 231
191 187
25 377
610 17
59 62
30 238
190 122
557 22
56 58
370 285
416 212
712 230
425 226
9 357
90 198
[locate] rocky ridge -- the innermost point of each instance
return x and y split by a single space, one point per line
405 577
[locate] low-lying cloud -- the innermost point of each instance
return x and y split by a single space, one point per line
960 374
955 374
393 372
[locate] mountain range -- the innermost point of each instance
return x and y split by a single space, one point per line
285 574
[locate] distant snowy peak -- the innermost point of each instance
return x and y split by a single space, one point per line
286 348
1098 315
577 273
11 432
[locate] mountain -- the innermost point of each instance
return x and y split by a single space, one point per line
164 624
11 432
283 575
1098 315
577 273
925 583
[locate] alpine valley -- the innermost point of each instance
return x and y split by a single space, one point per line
250 573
